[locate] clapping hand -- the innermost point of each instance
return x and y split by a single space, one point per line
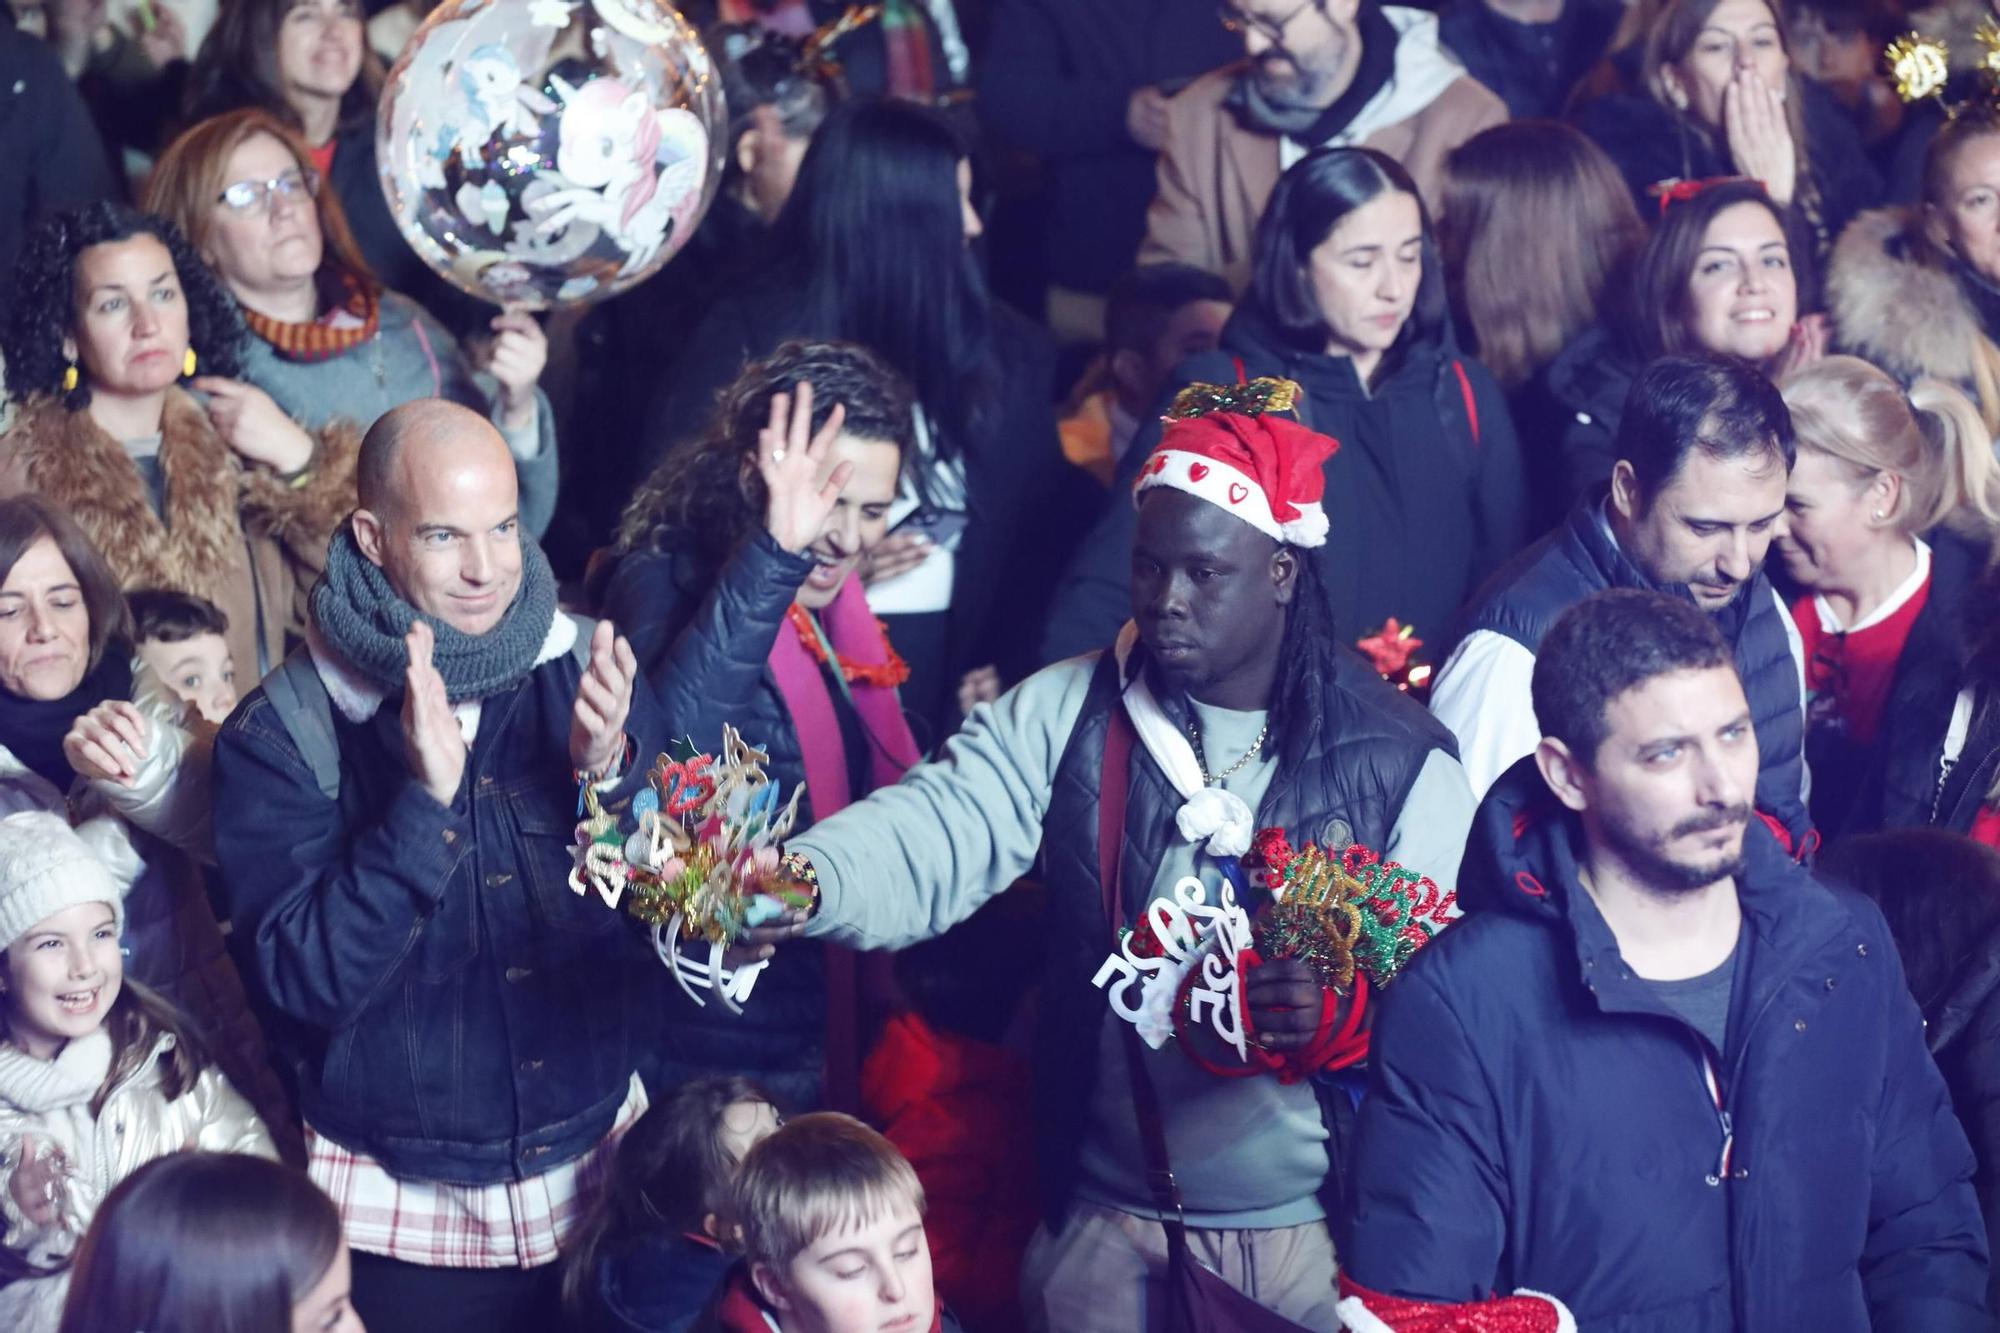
433 745
37 1182
1760 138
792 459
603 701
108 743
254 425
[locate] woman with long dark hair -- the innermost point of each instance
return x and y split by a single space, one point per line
736 579
874 247
115 325
1718 274
221 1242
1718 97
1426 495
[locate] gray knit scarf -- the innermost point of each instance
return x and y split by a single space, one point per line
364 620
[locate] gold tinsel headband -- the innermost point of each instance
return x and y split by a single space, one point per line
1254 399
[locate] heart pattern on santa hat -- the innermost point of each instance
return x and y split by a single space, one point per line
1267 470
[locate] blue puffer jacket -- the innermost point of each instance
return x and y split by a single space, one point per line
1525 599
1537 1119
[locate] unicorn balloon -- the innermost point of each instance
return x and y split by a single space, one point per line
548 151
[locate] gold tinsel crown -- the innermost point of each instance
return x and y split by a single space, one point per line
1922 68
1259 396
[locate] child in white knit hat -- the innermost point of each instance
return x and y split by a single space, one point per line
97 1076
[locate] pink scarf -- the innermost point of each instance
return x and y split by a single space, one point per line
856 638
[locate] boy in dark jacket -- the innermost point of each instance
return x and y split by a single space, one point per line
1659 1072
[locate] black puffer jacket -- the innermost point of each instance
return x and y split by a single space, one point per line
1423 504
1895 783
704 651
1964 1037
1580 558
1366 744
1586 385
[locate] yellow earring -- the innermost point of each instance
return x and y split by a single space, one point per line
187 363
69 378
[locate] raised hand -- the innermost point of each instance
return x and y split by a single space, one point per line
603 701
433 746
1805 345
793 462
254 425
108 743
1760 138
516 357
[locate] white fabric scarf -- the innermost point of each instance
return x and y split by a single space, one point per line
1222 817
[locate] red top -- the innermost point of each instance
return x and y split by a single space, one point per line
1986 826
322 157
1848 675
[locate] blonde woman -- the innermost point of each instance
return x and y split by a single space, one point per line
1889 517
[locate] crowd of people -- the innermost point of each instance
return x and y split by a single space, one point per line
1384 620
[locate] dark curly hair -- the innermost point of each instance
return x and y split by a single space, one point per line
45 299
707 495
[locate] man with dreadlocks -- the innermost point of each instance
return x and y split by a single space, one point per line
1226 707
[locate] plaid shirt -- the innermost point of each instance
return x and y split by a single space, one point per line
514 1224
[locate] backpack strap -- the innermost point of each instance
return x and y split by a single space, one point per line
299 697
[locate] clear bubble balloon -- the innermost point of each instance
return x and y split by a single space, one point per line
546 152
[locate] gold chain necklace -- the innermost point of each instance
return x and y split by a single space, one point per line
1201 760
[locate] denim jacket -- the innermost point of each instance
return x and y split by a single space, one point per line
450 1007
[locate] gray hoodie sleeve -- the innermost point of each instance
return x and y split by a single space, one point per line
915 859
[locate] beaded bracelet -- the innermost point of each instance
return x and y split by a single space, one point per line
799 870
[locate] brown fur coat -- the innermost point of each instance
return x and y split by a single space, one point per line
1907 316
228 530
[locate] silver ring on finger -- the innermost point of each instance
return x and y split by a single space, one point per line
777 455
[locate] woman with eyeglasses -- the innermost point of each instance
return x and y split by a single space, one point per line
1889 518
328 340
307 62
114 329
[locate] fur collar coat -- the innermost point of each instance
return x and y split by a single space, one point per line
228 530
1909 317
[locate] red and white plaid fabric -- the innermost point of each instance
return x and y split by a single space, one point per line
514 1224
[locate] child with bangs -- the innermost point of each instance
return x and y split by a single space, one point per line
830 1221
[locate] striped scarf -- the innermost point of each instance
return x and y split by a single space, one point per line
341 293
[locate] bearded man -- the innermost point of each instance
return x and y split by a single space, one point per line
1659 1072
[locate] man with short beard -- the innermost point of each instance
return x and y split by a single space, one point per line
1659 1073
1317 74
1705 449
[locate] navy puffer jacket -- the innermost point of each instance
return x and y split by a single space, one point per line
1526 598
1538 1119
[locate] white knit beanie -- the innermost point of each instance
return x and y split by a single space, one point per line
46 866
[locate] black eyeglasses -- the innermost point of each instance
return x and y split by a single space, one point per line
1274 29
249 196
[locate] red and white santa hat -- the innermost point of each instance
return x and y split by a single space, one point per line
1267 470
